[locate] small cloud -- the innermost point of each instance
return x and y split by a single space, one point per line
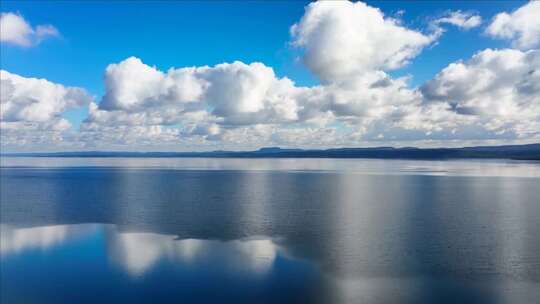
462 20
14 29
43 31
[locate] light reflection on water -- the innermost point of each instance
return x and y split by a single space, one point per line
457 167
270 236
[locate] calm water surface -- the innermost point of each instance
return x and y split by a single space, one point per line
116 230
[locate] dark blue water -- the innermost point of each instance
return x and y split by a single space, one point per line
269 231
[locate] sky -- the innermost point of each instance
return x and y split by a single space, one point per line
235 75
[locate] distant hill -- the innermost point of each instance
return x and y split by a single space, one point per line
523 152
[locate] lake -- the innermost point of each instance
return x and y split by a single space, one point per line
181 230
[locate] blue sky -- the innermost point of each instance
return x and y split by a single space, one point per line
182 34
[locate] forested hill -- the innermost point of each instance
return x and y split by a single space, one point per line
524 152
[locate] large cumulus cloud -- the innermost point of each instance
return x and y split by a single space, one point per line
219 100
522 26
36 100
350 47
199 100
495 91
342 39
31 108
236 93
500 88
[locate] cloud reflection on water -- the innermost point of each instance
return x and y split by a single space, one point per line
137 253
377 238
16 240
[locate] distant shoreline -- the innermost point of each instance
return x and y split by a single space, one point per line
517 152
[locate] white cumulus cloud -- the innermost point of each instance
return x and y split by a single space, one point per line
14 29
522 26
217 102
351 47
500 87
342 39
36 100
228 94
31 108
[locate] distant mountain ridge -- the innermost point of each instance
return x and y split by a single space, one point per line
523 152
